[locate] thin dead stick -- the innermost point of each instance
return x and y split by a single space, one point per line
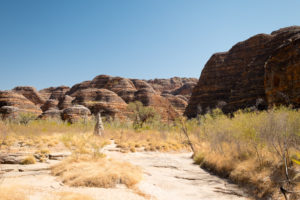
185 131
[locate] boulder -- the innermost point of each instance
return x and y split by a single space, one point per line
9 112
243 75
75 113
11 158
52 113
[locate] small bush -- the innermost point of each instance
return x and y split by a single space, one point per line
28 160
25 118
102 172
199 158
141 114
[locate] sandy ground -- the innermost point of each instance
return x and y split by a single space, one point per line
167 176
174 176
39 184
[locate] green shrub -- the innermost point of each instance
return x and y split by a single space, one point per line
25 118
141 114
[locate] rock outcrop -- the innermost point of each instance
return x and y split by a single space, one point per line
49 104
100 100
112 94
53 113
79 86
107 94
9 112
75 113
282 77
10 98
65 102
56 93
185 90
178 103
259 69
30 93
174 83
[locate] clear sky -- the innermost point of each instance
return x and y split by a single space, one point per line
62 42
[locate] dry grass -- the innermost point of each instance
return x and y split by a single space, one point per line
100 172
148 140
12 193
21 192
72 196
41 134
248 148
29 160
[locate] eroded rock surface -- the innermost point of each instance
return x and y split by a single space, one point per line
53 113
30 93
112 94
100 100
75 113
282 77
107 94
11 98
171 84
258 69
9 112
54 92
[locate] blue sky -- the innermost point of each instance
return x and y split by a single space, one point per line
62 42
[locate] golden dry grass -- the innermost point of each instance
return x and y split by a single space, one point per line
245 148
21 192
248 148
244 171
41 134
148 140
72 196
28 160
100 172
12 193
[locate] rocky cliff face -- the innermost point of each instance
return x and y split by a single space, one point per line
107 94
282 77
260 71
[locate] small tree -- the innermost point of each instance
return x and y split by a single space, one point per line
25 118
140 114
